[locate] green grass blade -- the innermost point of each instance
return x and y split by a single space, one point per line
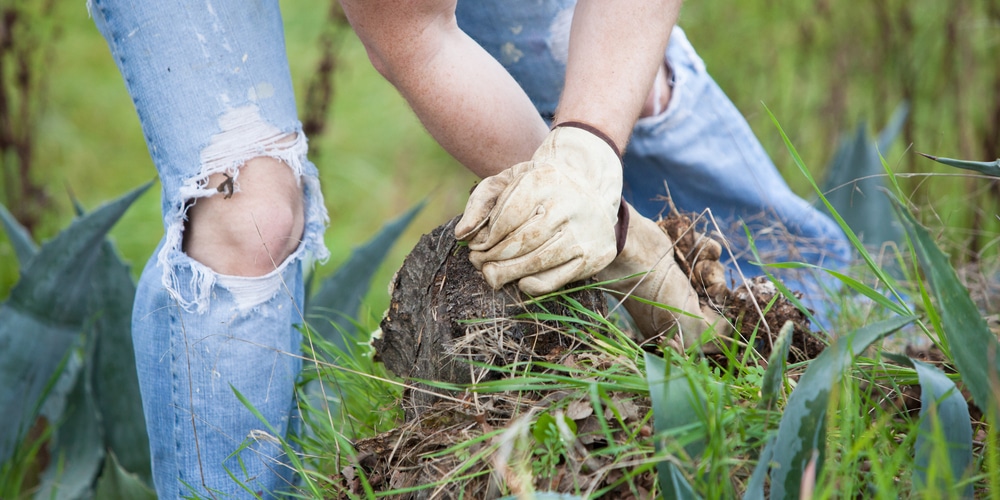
673 407
973 346
851 235
770 387
983 167
802 430
851 282
853 184
25 247
337 302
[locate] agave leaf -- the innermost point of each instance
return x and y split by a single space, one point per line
673 407
775 373
802 430
941 407
892 129
45 313
117 483
24 246
114 379
32 352
113 373
983 167
77 444
875 267
336 304
56 286
974 347
854 180
755 488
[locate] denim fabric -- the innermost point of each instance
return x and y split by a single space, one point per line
211 85
700 147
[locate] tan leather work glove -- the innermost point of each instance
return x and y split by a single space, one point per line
650 251
551 220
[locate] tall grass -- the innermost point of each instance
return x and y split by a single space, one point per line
843 424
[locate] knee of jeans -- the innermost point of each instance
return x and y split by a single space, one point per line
241 227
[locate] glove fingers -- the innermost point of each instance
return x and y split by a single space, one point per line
521 203
552 279
550 255
481 202
518 243
706 248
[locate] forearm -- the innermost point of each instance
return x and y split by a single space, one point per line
615 51
464 97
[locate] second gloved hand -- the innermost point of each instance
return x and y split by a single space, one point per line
647 269
548 221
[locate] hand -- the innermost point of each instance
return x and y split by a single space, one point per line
650 250
548 221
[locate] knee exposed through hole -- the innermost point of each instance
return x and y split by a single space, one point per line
251 224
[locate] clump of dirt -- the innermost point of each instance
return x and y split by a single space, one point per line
442 315
744 309
744 306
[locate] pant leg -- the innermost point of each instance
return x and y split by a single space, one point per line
703 150
700 146
212 89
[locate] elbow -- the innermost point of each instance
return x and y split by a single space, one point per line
376 57
398 40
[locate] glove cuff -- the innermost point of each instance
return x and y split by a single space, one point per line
597 132
621 228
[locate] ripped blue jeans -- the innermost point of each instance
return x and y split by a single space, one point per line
211 85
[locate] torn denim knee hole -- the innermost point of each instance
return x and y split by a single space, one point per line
244 135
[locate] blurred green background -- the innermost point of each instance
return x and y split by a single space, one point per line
821 68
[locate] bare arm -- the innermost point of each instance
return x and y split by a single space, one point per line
473 107
615 50
463 96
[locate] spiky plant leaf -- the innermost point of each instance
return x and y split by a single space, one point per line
755 488
56 286
876 268
802 430
24 246
336 304
112 362
942 408
333 309
770 387
974 348
46 312
855 178
114 378
983 167
77 445
673 401
117 483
